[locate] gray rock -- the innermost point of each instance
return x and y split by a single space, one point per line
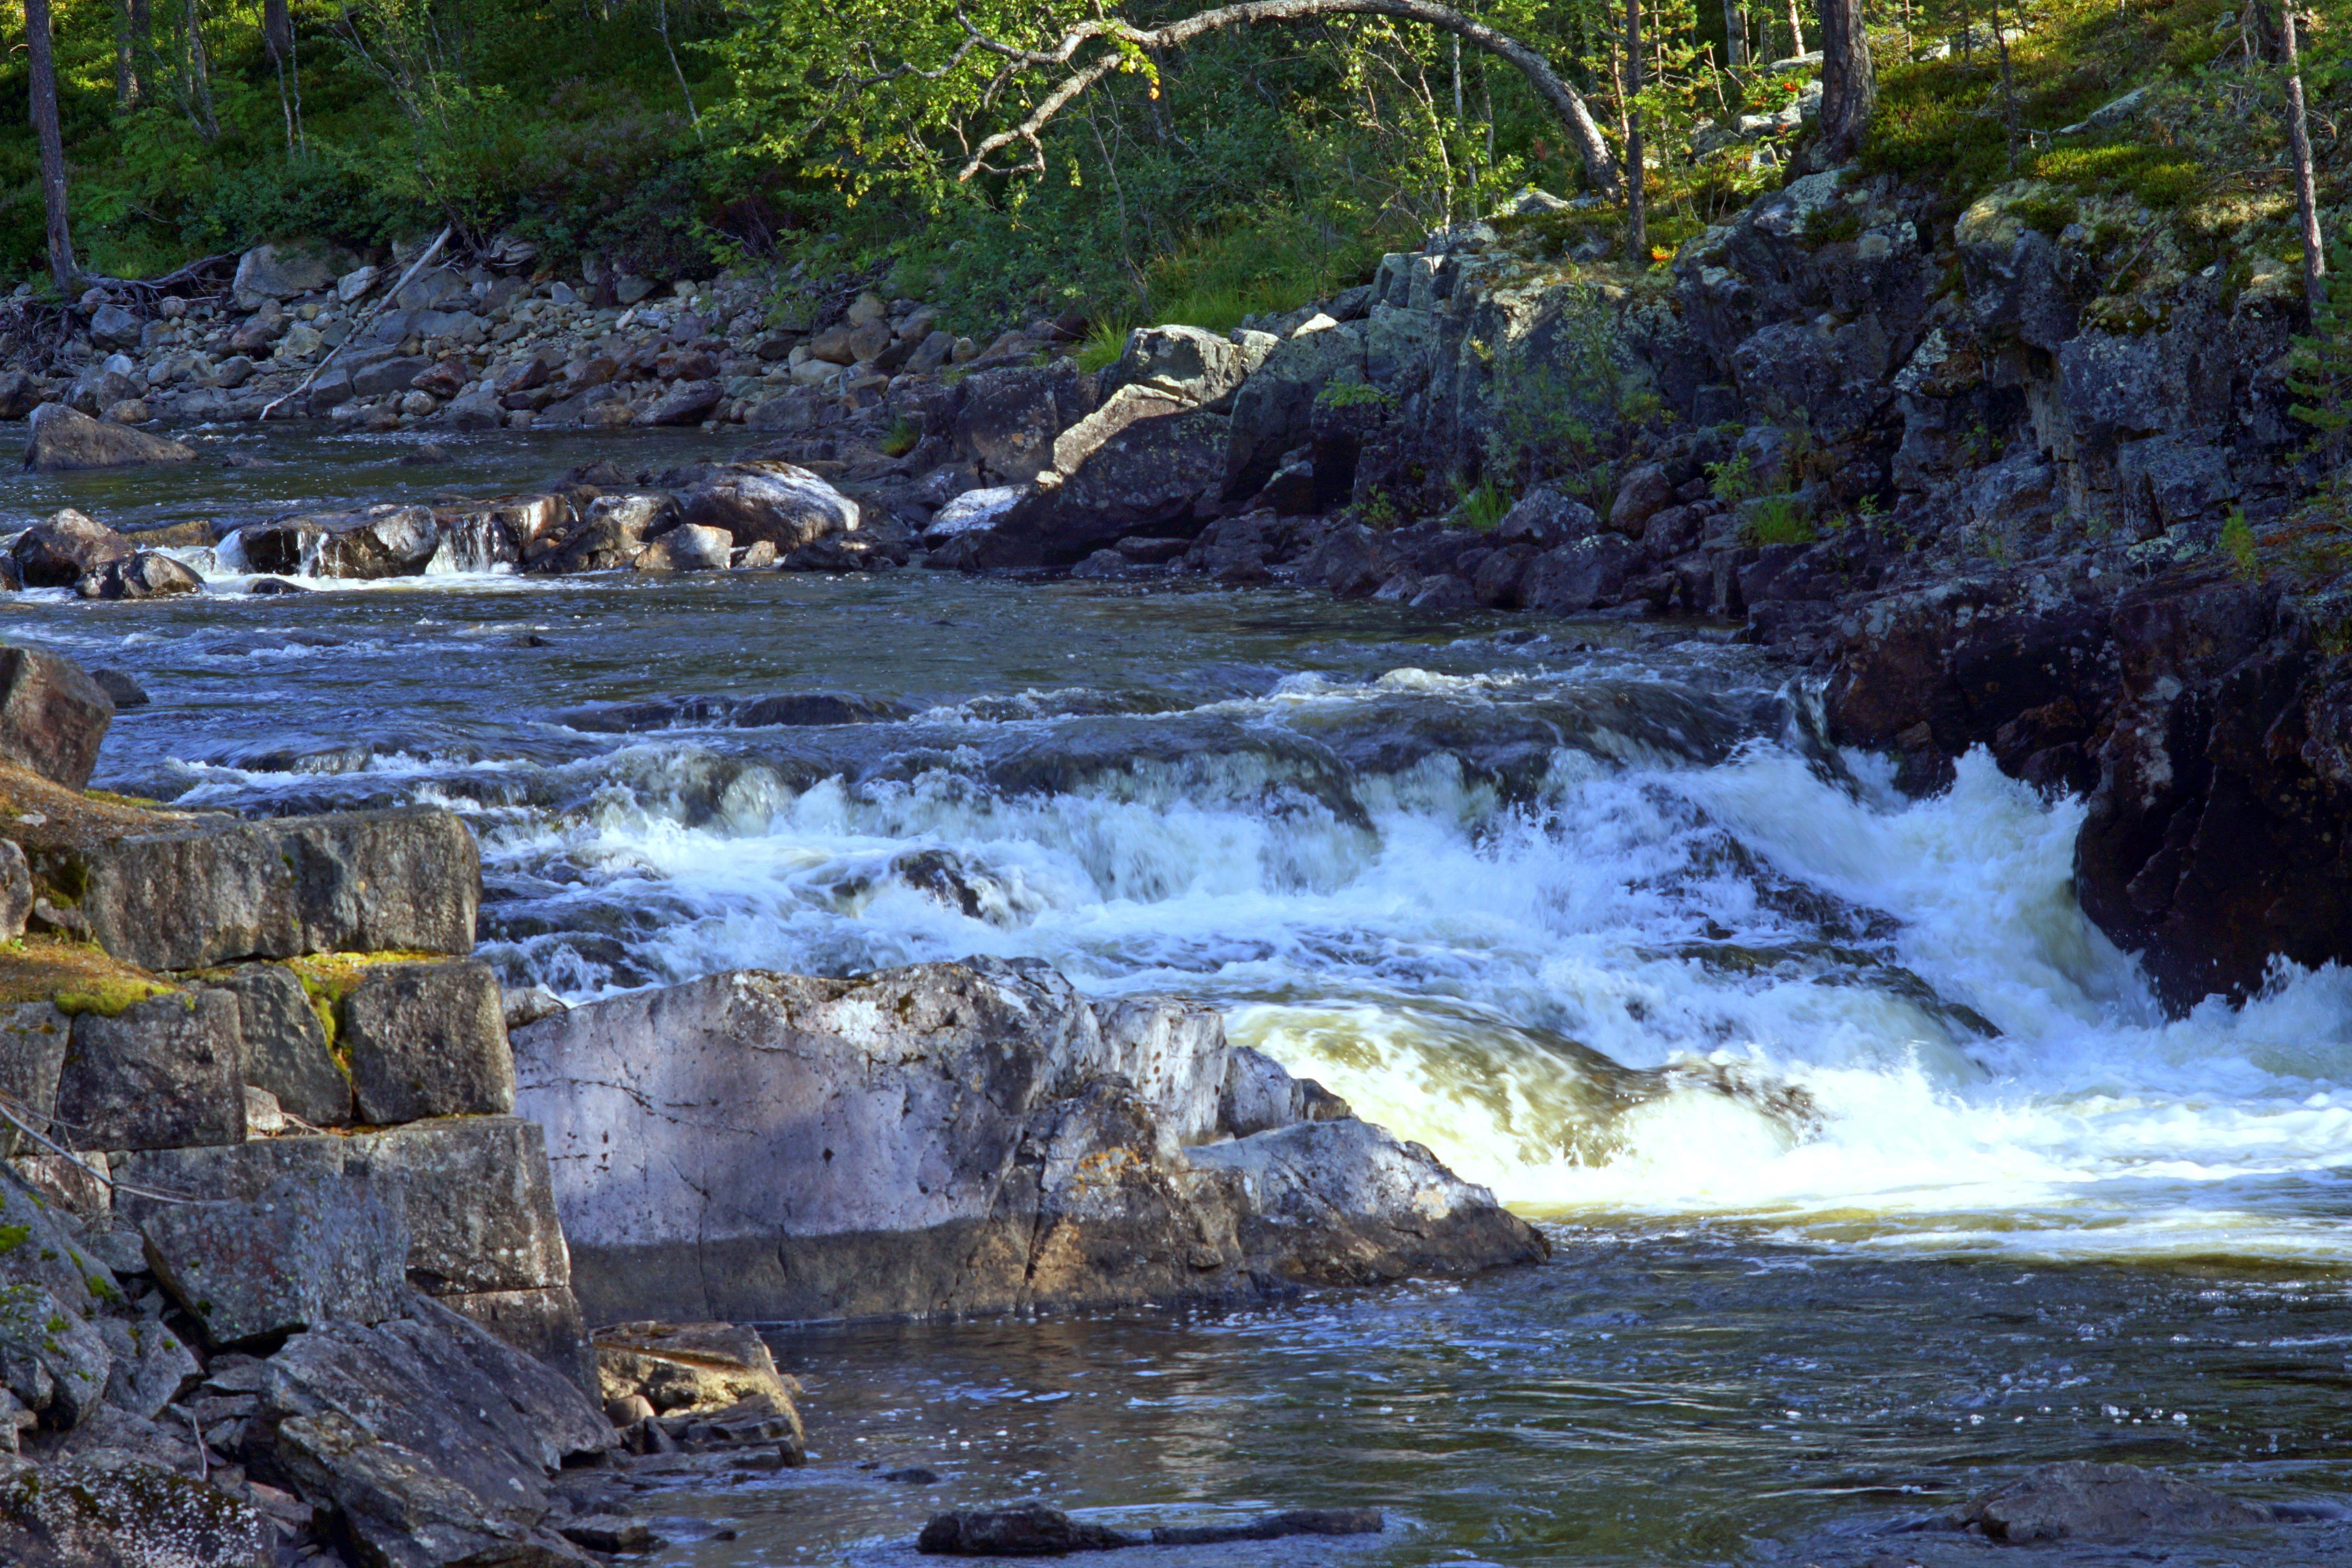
152 1367
1580 576
380 542
285 1046
2081 1500
146 575
1025 1530
33 1040
213 891
53 716
45 1253
1274 410
281 272
59 552
52 1361
2014 275
112 327
432 1443
544 1324
161 1074
689 547
397 373
1187 364
610 536
1151 477
1259 1095
424 1040
15 890
687 403
1009 417
64 439
1645 491
1128 405
946 1136
783 505
120 689
109 1509
304 1253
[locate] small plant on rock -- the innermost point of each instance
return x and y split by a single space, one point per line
1480 507
900 439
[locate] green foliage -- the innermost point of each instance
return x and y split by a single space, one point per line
1732 480
1480 507
2238 543
2319 363
1777 519
1102 346
901 438
1353 392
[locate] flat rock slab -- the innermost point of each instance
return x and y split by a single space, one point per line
204 892
2110 1504
305 1252
964 1137
285 1045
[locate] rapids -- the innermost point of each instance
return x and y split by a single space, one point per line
1873 1166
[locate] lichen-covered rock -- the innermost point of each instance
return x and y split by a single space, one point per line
33 1040
1187 364
111 1510
285 1049
51 1360
305 1252
1008 417
52 716
424 1040
161 1074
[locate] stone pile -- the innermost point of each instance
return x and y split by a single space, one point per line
281 1277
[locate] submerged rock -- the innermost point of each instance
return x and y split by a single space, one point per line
952 1137
2080 1500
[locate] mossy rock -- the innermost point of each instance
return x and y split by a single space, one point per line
76 977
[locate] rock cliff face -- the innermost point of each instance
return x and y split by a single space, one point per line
962 1137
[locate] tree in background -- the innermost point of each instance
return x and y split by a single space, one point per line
39 47
1848 80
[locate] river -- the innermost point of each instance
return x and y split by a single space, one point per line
1873 1171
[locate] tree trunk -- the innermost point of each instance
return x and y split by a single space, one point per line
1796 31
1734 34
1637 220
2298 131
126 62
1849 82
200 76
277 43
44 71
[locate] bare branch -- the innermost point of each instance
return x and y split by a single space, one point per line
1599 164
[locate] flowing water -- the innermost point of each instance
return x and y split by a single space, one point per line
1873 1171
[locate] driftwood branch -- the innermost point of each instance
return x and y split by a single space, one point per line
1599 164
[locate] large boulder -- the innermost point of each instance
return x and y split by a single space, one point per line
768 501
1153 477
1189 365
281 272
1009 417
386 541
52 716
943 1138
188 893
1580 576
687 403
1274 409
59 552
64 441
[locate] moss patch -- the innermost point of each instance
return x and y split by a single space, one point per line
78 976
328 977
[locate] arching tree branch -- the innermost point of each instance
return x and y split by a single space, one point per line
1599 164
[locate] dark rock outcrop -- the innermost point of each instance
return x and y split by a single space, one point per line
64 439
52 716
